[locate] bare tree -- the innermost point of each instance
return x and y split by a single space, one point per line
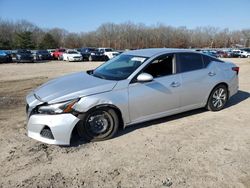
126 35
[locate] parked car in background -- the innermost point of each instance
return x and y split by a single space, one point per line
236 53
134 87
41 55
245 53
57 54
224 54
24 56
5 57
92 54
108 52
211 53
51 51
71 55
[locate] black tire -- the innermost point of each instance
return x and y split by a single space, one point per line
217 98
99 124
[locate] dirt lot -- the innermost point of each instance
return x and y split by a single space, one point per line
193 149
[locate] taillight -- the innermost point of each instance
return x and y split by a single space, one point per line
236 69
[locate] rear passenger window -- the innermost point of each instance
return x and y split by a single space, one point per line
189 62
208 59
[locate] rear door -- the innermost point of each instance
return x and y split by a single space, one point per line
197 79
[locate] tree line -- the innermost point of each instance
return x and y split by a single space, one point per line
25 35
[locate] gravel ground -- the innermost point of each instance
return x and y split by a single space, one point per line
192 149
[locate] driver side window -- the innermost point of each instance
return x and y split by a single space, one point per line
162 66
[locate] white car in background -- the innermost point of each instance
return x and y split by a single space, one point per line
108 52
245 54
71 55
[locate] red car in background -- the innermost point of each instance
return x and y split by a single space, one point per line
224 54
57 54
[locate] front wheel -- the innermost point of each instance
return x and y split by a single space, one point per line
217 98
99 124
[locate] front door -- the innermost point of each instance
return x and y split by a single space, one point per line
157 98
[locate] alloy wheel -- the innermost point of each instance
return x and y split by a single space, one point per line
219 98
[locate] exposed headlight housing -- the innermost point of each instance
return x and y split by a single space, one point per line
59 108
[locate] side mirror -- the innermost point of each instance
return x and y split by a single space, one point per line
144 77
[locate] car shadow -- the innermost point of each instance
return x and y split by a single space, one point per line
35 61
237 98
159 121
234 100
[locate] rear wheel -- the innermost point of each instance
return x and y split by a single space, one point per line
217 98
99 124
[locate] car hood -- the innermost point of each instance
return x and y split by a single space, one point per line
72 86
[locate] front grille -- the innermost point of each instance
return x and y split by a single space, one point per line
46 133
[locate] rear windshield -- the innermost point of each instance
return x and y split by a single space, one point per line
43 51
72 52
23 51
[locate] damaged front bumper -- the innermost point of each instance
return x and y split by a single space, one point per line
52 129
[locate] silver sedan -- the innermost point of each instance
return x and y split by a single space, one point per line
134 87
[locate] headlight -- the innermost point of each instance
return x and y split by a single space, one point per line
65 107
92 53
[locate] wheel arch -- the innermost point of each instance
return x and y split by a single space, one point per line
81 116
220 83
115 108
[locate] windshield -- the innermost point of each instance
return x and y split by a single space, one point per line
2 52
72 52
92 50
108 50
119 68
42 51
24 51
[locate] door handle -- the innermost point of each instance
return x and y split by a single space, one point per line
175 84
211 73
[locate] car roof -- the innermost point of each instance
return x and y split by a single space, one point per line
149 52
